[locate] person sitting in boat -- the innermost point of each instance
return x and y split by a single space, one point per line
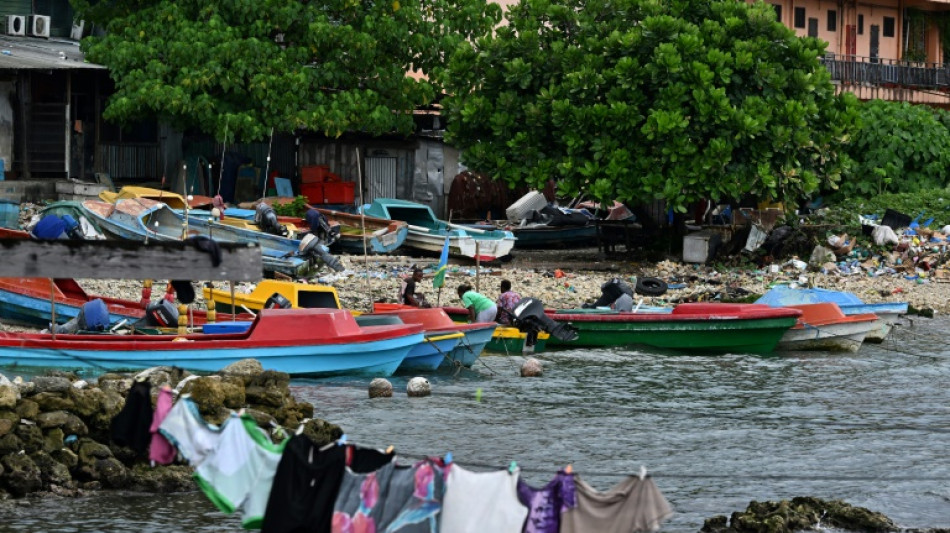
506 303
480 307
408 294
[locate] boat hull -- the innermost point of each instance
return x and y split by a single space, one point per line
555 237
512 341
886 318
830 337
471 347
429 355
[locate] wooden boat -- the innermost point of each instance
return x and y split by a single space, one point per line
509 340
90 229
426 356
28 301
428 233
171 199
141 219
887 313
702 327
382 235
301 342
303 295
544 236
436 321
823 326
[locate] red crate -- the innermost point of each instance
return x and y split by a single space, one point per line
313 192
339 193
314 173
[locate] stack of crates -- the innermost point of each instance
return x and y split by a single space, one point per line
321 186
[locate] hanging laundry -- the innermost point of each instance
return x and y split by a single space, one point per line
160 450
482 501
634 504
239 472
406 499
546 504
130 427
307 483
187 430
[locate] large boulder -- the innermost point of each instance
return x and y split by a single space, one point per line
53 440
6 426
86 401
322 432
51 384
161 375
245 368
111 473
116 383
173 478
99 423
10 444
209 393
8 396
31 437
52 401
65 457
68 422
20 475
52 472
27 409
799 514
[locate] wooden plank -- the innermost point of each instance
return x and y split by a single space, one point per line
127 260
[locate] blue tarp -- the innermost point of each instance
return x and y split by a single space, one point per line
849 303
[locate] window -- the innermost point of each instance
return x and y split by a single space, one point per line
888 26
860 24
778 12
832 20
799 17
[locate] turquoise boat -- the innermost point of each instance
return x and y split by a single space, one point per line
425 356
90 229
428 233
141 219
887 312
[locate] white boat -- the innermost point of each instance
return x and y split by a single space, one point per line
823 326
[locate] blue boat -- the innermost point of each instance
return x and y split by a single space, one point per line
850 304
428 233
27 301
90 230
301 342
426 356
141 219
472 346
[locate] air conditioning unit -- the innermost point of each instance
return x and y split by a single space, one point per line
76 33
39 25
16 25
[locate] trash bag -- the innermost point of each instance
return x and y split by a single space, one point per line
611 290
821 255
50 227
884 235
92 316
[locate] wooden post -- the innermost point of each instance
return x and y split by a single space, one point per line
233 309
478 267
359 173
52 301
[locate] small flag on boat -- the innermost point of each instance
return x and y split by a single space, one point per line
439 280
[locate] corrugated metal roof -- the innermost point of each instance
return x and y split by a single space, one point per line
18 53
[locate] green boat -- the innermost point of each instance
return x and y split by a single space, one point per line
696 327
511 341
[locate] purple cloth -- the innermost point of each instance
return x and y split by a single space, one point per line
507 302
161 451
546 504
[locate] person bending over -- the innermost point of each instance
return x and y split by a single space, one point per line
480 308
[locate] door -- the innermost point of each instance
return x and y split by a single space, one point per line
875 42
813 27
851 40
380 178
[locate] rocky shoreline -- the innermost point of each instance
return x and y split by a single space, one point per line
55 429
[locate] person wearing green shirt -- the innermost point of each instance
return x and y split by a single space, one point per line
480 308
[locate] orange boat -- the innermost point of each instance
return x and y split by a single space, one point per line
824 326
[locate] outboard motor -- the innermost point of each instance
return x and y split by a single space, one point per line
277 301
160 314
310 246
320 227
73 230
92 316
530 318
266 219
611 291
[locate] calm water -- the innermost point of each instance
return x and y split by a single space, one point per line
715 432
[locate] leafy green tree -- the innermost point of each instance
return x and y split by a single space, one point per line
899 147
238 68
643 99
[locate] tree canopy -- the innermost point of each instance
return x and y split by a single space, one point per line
898 147
643 99
238 68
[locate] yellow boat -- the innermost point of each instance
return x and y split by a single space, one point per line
299 295
172 200
512 341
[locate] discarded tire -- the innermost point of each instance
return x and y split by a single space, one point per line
651 286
